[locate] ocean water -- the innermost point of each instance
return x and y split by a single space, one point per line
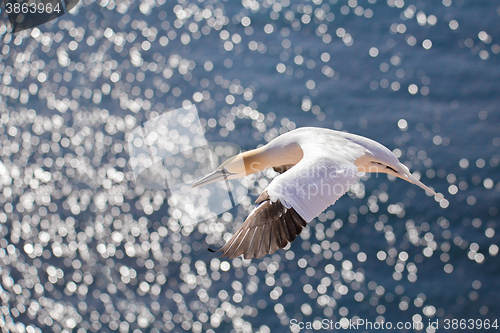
84 248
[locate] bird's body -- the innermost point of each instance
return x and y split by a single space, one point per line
319 166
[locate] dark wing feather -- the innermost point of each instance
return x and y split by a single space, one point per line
269 227
283 168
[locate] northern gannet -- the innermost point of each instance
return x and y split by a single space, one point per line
317 167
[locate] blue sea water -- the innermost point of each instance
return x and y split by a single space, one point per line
84 249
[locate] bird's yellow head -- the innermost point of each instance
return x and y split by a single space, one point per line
253 161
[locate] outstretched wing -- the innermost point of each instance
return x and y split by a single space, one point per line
292 199
269 227
313 184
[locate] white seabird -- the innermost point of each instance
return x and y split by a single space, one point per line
317 167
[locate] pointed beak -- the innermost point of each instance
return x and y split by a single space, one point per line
212 177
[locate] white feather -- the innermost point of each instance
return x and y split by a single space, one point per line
325 173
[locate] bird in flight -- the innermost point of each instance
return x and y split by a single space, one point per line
317 167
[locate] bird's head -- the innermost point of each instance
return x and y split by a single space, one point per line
253 161
232 168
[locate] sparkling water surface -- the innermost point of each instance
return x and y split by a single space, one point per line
84 248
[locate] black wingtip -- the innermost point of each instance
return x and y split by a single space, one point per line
211 250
